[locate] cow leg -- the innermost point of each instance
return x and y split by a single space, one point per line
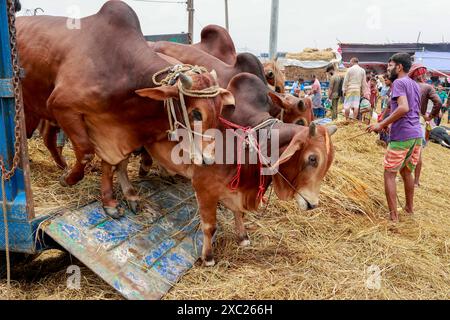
208 210
146 163
128 190
49 135
243 238
76 130
110 205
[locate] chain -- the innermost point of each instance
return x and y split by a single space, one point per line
7 174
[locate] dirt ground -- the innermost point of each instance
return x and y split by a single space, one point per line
345 249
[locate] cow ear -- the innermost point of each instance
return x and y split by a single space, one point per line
293 147
227 97
278 100
301 105
159 93
332 130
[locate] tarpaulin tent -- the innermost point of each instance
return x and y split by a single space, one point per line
437 62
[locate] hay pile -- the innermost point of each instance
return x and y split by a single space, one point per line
321 254
310 54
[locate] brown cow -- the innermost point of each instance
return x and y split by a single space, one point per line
293 110
275 77
85 80
306 156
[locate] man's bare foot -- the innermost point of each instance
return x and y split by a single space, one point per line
417 185
393 217
408 211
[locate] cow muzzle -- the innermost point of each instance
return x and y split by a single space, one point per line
306 204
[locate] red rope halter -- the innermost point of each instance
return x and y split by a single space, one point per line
235 181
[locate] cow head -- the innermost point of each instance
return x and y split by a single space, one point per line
303 165
295 110
203 110
274 76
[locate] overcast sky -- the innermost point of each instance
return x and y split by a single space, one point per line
301 23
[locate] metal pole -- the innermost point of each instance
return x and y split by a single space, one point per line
227 25
190 9
274 29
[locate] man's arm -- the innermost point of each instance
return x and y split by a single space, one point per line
330 89
403 108
437 103
345 84
364 86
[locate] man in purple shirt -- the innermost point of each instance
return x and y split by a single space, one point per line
404 149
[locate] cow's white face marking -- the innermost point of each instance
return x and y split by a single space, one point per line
244 243
301 202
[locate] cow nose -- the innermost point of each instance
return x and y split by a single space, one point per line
311 206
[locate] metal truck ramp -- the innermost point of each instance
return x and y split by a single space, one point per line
142 256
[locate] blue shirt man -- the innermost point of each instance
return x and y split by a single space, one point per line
297 86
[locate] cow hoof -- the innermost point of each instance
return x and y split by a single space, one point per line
113 212
133 205
245 243
62 181
210 263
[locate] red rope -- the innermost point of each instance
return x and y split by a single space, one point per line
235 181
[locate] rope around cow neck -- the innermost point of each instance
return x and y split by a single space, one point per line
172 78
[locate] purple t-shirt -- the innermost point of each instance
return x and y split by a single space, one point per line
407 127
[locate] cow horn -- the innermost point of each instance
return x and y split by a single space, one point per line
186 81
332 130
312 129
214 75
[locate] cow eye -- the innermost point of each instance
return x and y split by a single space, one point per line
313 161
197 115
301 122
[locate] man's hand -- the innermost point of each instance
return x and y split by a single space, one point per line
377 127
427 118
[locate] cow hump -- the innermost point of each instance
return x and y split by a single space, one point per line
120 14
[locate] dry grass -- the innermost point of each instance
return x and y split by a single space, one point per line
312 55
321 254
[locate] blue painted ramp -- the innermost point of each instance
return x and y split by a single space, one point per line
143 255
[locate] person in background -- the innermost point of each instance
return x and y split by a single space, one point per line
334 91
403 152
384 92
373 96
297 87
316 93
418 73
354 86
444 99
385 111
